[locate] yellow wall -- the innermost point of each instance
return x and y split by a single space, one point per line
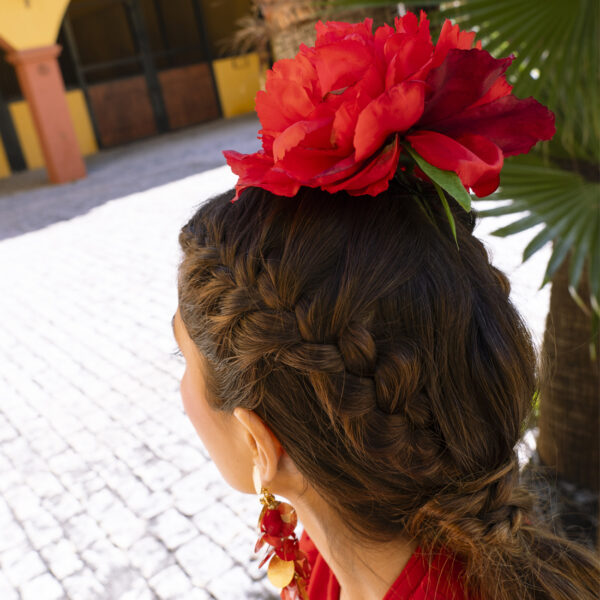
27 133
30 24
4 166
238 80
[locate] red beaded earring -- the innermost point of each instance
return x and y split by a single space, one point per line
289 568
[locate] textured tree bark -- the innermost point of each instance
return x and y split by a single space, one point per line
570 389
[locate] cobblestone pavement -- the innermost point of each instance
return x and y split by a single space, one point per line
105 490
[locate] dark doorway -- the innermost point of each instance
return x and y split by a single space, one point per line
144 65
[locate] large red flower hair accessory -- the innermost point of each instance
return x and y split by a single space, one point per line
339 115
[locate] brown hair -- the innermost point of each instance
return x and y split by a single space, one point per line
392 367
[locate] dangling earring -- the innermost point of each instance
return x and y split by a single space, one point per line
289 568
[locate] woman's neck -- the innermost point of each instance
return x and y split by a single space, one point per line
364 571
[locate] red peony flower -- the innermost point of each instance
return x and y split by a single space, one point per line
337 115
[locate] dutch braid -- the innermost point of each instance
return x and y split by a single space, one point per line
393 369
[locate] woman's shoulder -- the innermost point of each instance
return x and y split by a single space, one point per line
433 577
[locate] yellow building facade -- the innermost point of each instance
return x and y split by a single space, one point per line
131 69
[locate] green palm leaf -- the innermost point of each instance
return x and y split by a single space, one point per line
566 204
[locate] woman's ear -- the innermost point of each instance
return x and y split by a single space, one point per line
263 444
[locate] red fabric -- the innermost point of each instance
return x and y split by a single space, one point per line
417 581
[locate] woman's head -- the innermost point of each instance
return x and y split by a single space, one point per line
389 364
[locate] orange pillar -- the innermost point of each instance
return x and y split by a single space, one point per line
42 85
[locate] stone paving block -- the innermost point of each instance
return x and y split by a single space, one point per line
43 587
148 505
81 485
20 564
236 584
109 563
170 583
135 456
42 529
10 477
7 431
122 526
83 586
180 453
13 535
139 591
198 594
203 560
83 531
100 502
62 558
189 494
242 548
150 556
63 507
173 528
158 474
64 424
7 591
48 443
44 484
219 522
23 502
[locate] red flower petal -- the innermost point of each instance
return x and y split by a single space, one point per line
513 124
289 96
339 171
306 165
344 123
452 37
475 159
407 23
299 70
334 31
500 88
462 79
314 134
342 64
395 111
374 177
381 36
406 55
283 105
257 170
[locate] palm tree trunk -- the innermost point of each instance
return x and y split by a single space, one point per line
569 389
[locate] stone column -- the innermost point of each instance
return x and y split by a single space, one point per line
42 86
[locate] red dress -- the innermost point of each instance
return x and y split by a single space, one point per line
417 581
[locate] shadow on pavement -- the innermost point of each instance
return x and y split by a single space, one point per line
28 202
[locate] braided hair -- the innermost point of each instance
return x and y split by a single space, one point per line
391 366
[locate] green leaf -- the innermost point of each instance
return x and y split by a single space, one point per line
567 206
447 180
582 250
449 214
518 226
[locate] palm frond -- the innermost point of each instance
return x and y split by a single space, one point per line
566 204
